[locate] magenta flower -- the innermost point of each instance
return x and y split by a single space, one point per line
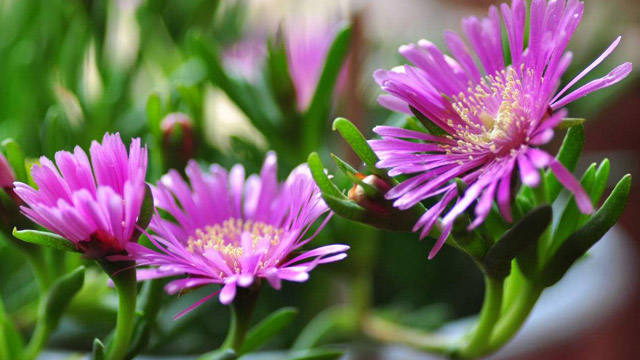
307 45
495 115
230 231
94 205
245 58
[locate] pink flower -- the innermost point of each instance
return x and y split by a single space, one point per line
230 231
307 45
94 205
495 115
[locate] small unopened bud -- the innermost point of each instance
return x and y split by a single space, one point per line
366 199
7 177
178 141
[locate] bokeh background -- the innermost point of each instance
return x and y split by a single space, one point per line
71 70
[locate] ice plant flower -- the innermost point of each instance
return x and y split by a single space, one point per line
93 204
230 231
493 115
307 46
246 57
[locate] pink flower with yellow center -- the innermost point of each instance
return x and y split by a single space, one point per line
228 230
494 115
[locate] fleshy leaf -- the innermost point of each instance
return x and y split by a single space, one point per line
44 238
154 114
321 178
571 214
317 114
582 240
525 233
280 81
569 122
568 156
98 350
59 296
146 212
11 344
329 322
350 172
428 124
359 144
268 328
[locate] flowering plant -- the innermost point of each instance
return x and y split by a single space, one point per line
209 181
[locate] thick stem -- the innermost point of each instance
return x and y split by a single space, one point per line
241 312
515 316
489 315
387 331
123 275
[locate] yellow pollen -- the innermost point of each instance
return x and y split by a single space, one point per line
226 239
485 127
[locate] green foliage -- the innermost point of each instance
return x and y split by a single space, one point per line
45 238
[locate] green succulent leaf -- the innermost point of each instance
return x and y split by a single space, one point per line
582 240
155 113
321 178
59 297
279 79
146 212
97 352
317 114
525 233
567 123
428 124
350 172
329 322
268 328
359 144
44 238
11 344
315 354
568 156
569 220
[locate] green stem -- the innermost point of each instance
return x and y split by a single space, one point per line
124 279
241 312
489 315
387 331
38 339
515 316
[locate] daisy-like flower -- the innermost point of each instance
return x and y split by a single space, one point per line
93 204
494 115
307 46
230 231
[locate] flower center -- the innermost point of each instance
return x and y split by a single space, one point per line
492 114
227 239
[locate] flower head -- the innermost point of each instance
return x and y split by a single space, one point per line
230 231
93 204
307 45
494 115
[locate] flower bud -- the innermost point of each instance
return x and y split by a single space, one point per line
178 141
374 202
7 177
